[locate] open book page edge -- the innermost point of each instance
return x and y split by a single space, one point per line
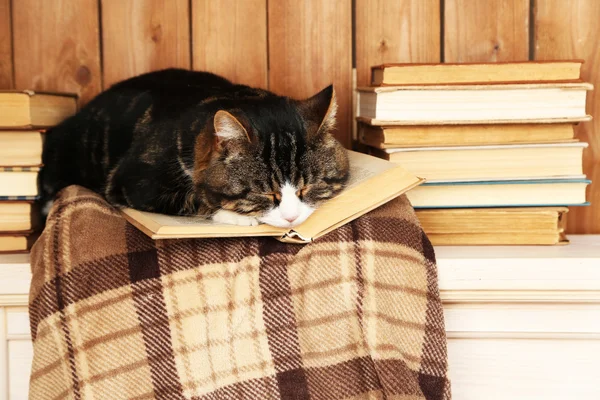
368 209
392 182
144 222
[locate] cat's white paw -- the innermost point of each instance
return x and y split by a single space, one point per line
232 218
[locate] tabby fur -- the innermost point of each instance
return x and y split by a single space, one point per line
193 143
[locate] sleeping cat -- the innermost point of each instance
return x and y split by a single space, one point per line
192 143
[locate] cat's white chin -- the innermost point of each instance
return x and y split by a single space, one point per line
276 219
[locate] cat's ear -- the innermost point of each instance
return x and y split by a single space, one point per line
319 112
229 129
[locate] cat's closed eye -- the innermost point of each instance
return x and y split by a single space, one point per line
274 196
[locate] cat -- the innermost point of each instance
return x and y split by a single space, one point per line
184 142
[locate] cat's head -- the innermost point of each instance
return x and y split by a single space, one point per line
276 158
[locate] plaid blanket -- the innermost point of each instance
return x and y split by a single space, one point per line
116 315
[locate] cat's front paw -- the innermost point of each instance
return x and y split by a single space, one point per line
232 218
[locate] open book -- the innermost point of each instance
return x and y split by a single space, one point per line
372 183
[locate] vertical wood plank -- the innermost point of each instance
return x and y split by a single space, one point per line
395 31
56 46
139 36
310 47
230 39
568 29
6 61
486 31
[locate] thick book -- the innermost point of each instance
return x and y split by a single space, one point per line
18 182
385 137
18 216
372 183
16 243
525 71
492 162
20 148
507 193
495 226
473 104
27 109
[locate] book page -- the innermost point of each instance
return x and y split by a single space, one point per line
376 182
173 220
161 226
364 167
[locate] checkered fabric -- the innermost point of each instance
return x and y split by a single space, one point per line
116 315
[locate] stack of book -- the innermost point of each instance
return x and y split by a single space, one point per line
495 142
23 118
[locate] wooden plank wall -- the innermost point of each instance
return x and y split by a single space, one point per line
6 62
56 46
571 29
295 47
143 36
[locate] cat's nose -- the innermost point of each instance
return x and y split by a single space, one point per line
291 219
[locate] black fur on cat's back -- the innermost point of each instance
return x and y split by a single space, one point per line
139 142
85 148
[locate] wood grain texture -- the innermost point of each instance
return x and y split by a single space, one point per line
486 31
567 29
139 36
56 46
310 47
6 61
395 31
230 39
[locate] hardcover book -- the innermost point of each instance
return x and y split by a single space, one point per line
501 193
516 161
386 137
473 104
20 148
27 109
18 183
526 71
495 226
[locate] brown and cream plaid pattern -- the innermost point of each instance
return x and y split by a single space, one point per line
116 315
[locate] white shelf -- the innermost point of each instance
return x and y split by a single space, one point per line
15 278
520 314
466 273
522 273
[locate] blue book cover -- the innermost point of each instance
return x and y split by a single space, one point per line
508 182
573 180
19 198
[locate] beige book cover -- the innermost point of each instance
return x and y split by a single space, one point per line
372 183
27 109
448 73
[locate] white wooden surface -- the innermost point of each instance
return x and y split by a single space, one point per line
522 322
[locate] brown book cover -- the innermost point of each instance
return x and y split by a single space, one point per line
19 216
21 242
29 109
389 136
21 147
373 182
449 73
495 226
